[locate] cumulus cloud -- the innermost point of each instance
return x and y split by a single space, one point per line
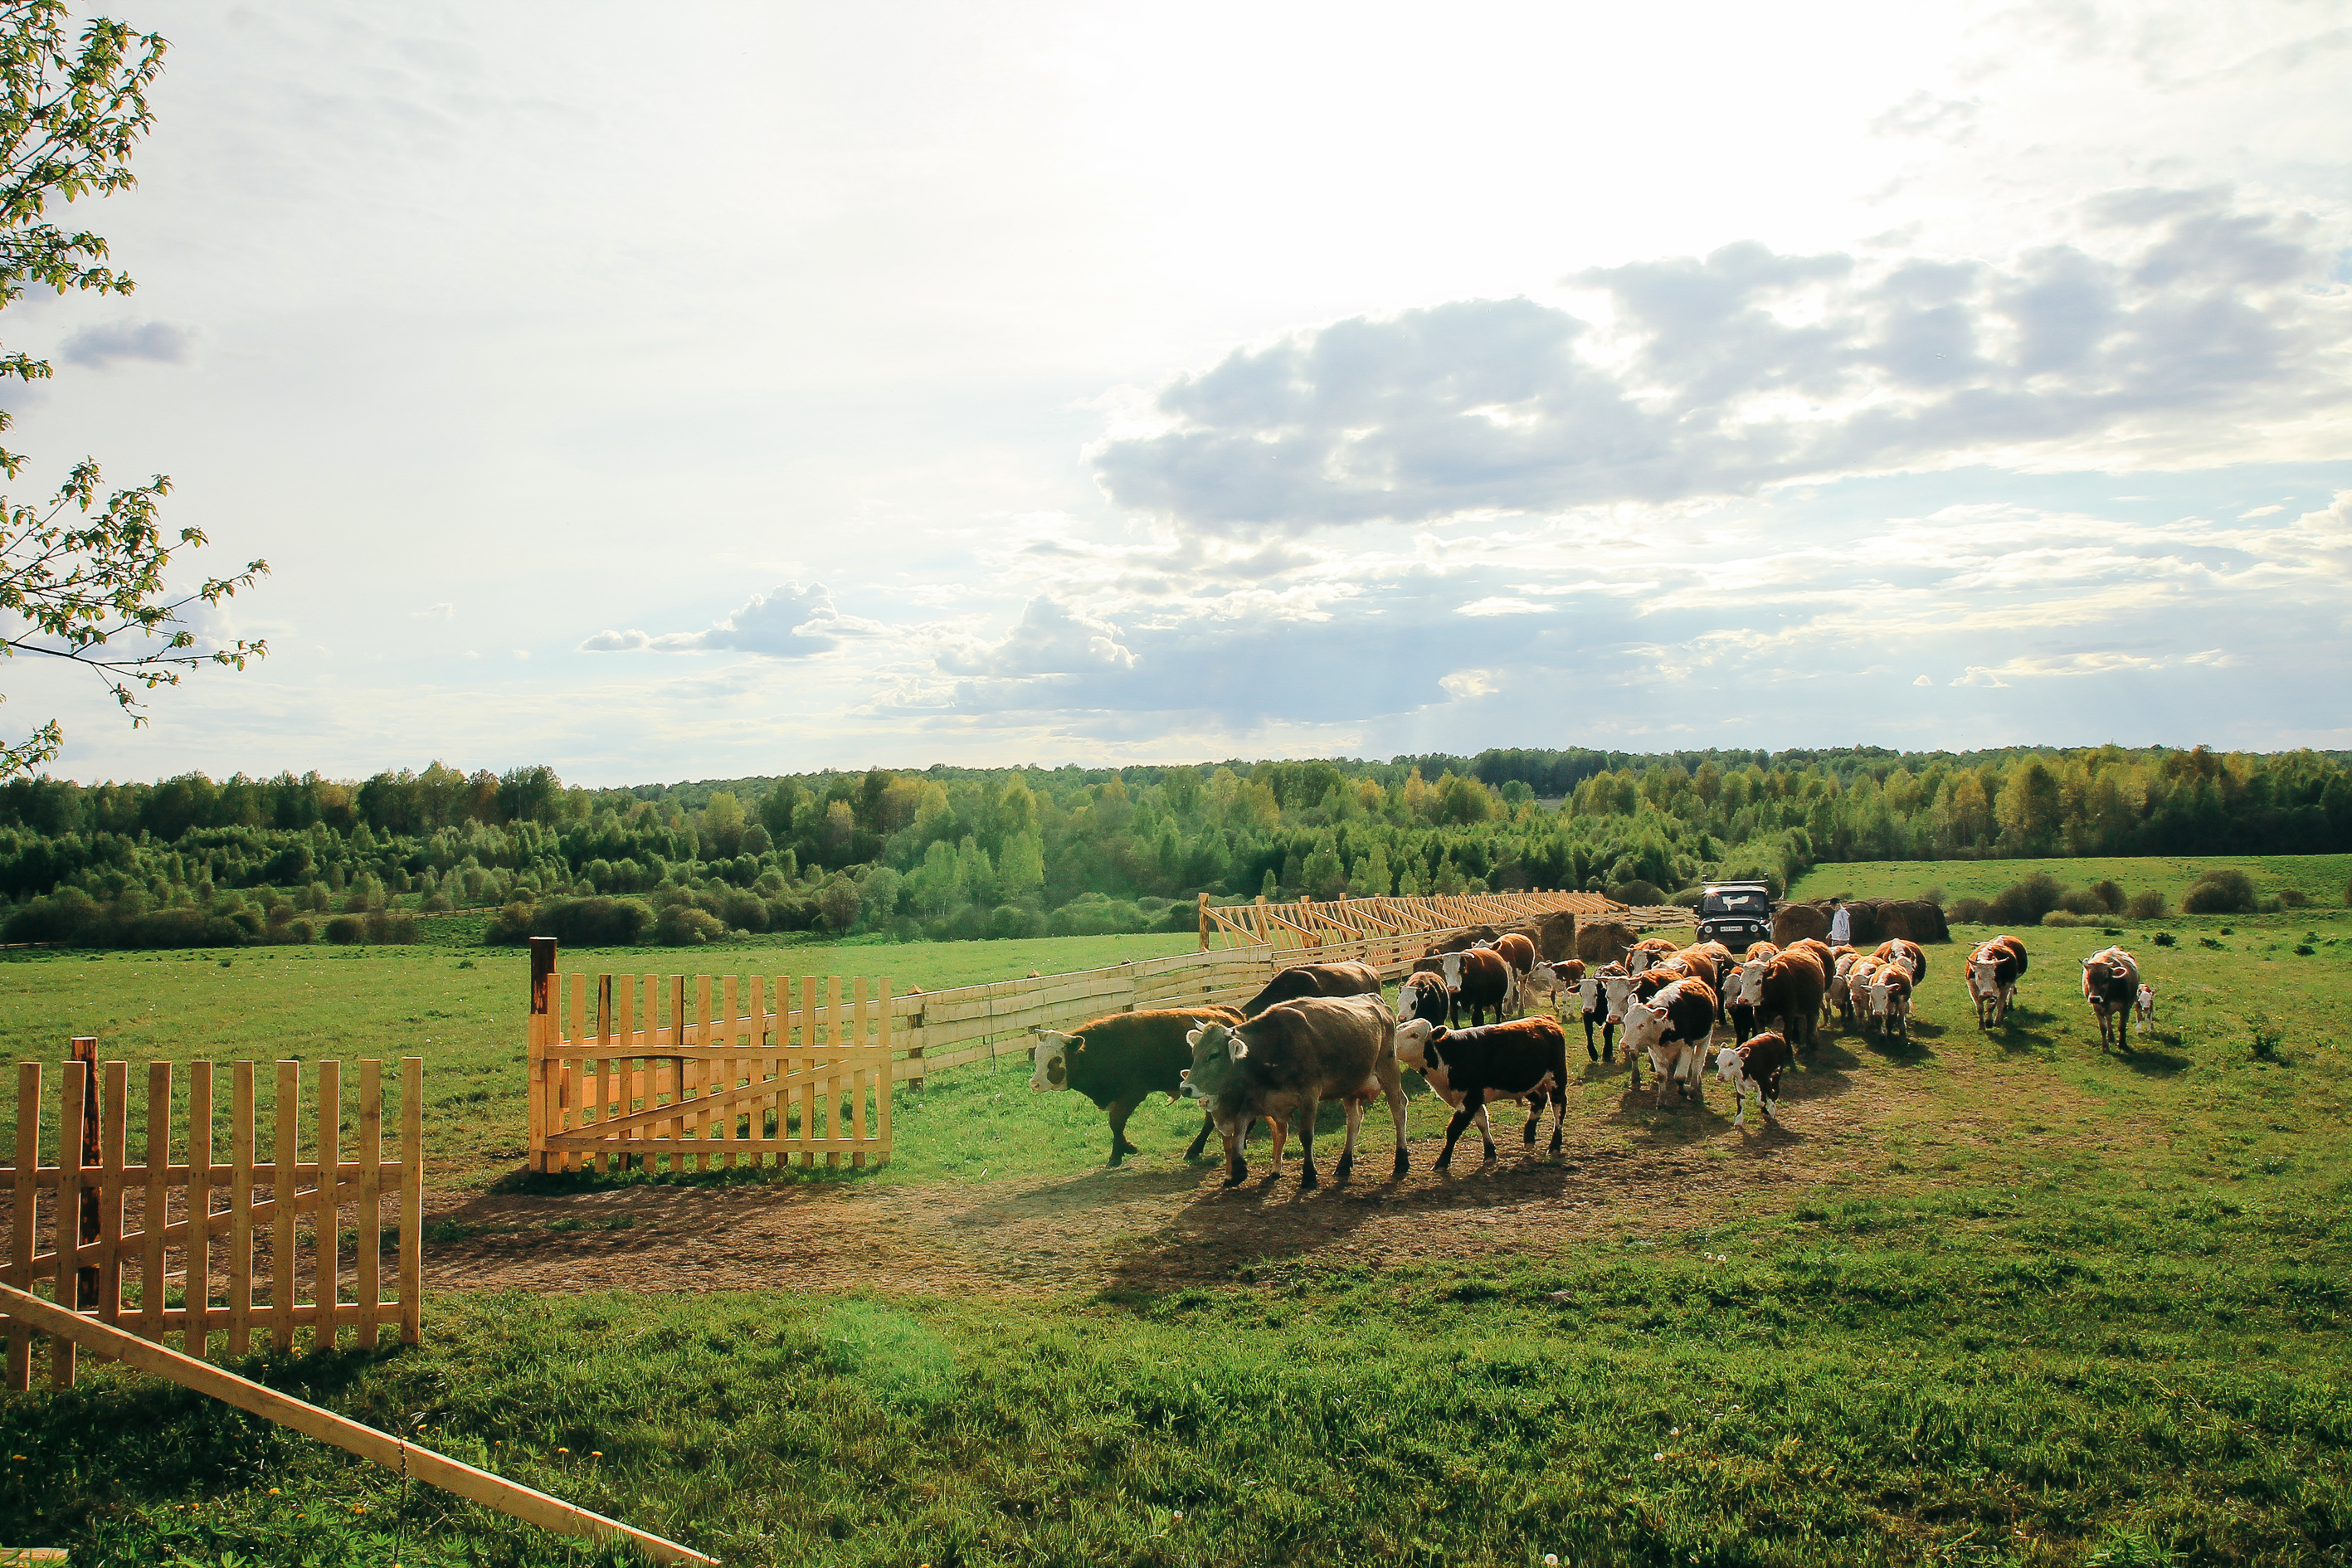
2183 325
1050 639
101 346
789 621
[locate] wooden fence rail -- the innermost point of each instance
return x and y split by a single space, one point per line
1307 923
143 1248
510 1497
673 1071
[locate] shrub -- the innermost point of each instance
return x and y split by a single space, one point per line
1012 921
2164 939
2293 899
1934 896
2069 918
2081 901
1092 914
344 931
2225 891
587 922
1637 891
2024 903
2147 905
1687 898
683 925
839 903
1970 912
2111 894
389 925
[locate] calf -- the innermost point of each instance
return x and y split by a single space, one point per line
1524 1060
1840 993
1673 1027
2111 984
1480 979
1889 998
1756 1063
1425 997
1283 1064
1993 970
1601 996
1121 1060
1787 986
1315 980
2144 1007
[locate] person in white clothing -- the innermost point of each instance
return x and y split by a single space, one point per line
1841 925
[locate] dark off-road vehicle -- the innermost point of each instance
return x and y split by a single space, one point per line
1735 913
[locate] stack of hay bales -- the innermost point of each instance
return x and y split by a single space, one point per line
1874 920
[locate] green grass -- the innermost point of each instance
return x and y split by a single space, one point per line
2047 1306
461 1009
2321 878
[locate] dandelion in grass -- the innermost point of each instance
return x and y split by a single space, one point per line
1661 1458
1551 1560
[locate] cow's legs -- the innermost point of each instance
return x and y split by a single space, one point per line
1392 1086
1536 1104
1609 1044
1588 1038
1560 1115
1236 1166
1305 1116
1462 1118
1121 1110
1348 1154
1208 1125
1281 1133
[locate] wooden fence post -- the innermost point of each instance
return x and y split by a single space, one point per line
541 1093
1204 907
85 1051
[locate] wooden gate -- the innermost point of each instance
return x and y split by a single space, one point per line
143 1248
655 1070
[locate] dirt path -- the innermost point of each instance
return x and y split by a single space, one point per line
1155 1223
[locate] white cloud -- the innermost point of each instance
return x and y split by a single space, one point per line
1924 680
1497 605
789 621
2176 324
434 613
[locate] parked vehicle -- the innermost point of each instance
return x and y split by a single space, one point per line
1735 913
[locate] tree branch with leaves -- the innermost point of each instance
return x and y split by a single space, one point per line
85 576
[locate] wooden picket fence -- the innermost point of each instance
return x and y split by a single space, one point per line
1305 923
677 1072
142 1247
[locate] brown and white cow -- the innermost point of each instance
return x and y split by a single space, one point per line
1742 1016
1648 950
1425 997
1906 953
1121 1060
1787 989
1673 1028
1601 994
1480 981
2111 985
1283 1064
1521 954
1343 979
1993 972
1888 997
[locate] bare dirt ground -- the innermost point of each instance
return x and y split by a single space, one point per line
1159 1223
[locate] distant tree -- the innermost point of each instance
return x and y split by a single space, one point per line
93 589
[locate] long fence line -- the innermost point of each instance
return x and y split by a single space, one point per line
1307 923
682 1071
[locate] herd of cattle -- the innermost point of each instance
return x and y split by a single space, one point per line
1325 1031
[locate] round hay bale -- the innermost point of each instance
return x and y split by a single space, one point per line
1554 936
1924 921
1604 941
1794 922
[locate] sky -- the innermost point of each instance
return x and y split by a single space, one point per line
720 390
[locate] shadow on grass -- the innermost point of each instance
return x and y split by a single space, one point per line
544 1183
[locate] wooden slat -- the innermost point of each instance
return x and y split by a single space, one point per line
68 1211
326 1212
286 1113
411 1198
156 1214
477 1485
114 1117
240 1208
370 1202
23 1215
199 1203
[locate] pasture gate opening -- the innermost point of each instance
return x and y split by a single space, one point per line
675 1071
270 1265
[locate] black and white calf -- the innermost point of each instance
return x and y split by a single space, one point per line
1526 1059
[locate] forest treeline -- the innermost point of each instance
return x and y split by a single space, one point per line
954 852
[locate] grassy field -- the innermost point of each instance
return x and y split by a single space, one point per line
461 1009
2050 1307
2321 878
